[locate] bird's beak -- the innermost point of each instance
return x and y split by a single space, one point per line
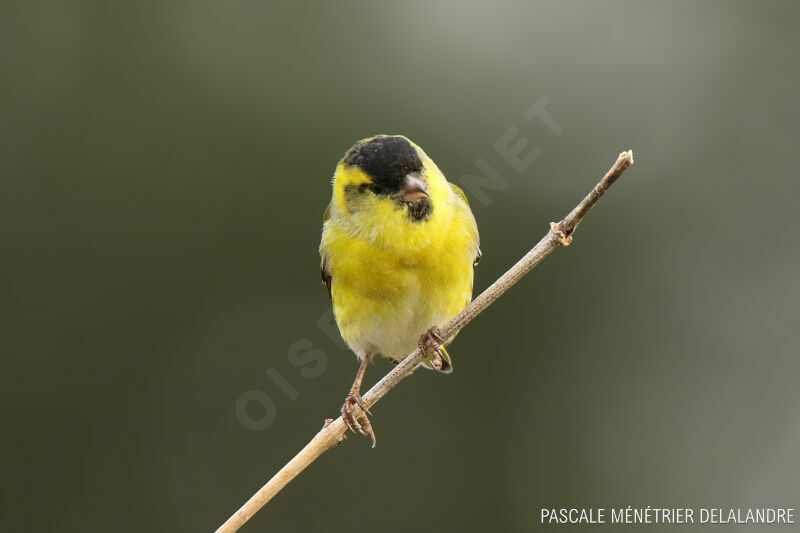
413 189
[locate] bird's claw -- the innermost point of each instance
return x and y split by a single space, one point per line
430 344
430 341
360 424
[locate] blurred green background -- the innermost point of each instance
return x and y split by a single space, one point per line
164 168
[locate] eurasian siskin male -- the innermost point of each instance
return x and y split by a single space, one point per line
399 244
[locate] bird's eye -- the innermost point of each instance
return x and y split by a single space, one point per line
375 189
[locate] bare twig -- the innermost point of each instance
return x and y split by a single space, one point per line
332 433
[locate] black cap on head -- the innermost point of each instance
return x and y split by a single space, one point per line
386 159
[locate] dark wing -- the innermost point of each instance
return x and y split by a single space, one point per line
463 196
326 276
323 265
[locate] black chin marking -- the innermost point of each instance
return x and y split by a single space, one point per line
419 211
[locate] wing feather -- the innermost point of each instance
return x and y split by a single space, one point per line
327 279
460 194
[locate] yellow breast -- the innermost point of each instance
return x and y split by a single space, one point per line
393 279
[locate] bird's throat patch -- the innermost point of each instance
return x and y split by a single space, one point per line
419 211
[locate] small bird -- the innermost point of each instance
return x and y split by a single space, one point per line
399 244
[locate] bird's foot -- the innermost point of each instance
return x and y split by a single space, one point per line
431 343
361 423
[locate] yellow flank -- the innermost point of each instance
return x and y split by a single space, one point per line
392 278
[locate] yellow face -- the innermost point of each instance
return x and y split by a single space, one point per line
348 181
388 178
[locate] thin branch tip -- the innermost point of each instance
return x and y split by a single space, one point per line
628 154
